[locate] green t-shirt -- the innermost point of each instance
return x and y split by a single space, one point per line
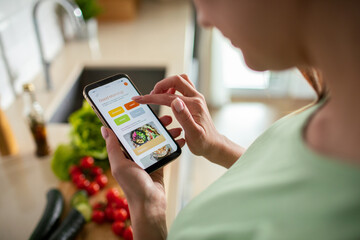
279 189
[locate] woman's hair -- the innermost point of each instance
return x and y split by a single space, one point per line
314 78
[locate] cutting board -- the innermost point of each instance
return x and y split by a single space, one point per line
91 230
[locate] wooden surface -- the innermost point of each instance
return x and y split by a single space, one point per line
24 181
118 10
91 230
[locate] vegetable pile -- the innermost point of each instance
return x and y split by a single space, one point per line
86 140
115 211
83 162
87 176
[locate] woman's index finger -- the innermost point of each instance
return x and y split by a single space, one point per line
176 82
185 76
158 99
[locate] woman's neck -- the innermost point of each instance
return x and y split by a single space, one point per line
334 49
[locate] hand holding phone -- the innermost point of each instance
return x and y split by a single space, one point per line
145 192
142 136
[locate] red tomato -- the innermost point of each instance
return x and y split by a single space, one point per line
77 176
96 171
121 202
102 180
87 162
109 213
93 188
82 183
74 169
118 227
120 214
112 194
128 233
126 205
99 206
98 216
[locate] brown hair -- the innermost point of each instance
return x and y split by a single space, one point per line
314 78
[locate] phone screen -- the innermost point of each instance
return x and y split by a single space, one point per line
136 126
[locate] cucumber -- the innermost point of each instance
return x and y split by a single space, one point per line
70 227
85 209
78 198
80 201
51 216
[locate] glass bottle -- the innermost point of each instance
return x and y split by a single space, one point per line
34 115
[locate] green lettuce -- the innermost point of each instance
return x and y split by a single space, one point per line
86 140
65 155
85 133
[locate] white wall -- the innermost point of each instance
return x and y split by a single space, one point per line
21 50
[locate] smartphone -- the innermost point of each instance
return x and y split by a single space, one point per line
142 136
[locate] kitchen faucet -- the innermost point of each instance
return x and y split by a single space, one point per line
77 20
5 59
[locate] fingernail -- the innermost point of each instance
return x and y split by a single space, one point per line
152 92
104 132
135 98
178 104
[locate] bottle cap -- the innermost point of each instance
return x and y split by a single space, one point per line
28 87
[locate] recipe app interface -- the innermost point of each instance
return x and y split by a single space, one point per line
135 125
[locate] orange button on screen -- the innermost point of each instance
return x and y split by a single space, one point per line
116 111
131 105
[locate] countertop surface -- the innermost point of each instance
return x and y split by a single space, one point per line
161 36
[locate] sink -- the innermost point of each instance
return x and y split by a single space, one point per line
144 79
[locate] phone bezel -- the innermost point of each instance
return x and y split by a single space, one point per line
110 79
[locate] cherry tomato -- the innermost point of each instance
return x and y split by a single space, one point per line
102 180
111 205
99 206
87 162
126 205
74 169
82 183
93 188
112 194
96 171
77 176
118 227
121 203
98 216
109 213
120 214
128 233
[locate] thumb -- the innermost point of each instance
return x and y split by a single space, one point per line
115 153
184 116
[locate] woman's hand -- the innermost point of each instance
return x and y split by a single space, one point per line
191 111
145 193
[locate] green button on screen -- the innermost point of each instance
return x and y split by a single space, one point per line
122 119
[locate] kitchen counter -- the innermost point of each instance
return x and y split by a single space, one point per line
161 36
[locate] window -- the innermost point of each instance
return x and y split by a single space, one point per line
240 80
236 73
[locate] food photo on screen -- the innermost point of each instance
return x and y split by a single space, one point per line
145 138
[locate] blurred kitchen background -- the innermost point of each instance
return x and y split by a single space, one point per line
139 37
